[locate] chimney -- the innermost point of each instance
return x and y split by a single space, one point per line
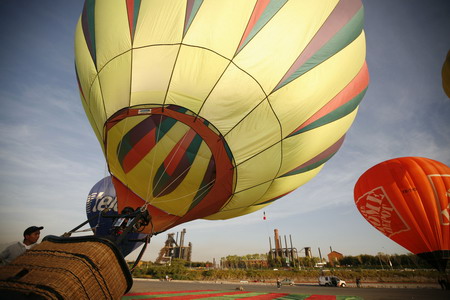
292 252
285 243
277 241
181 254
308 252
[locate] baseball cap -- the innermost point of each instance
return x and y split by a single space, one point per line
32 229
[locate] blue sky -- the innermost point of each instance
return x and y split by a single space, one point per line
50 157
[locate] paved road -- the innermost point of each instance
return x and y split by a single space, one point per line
143 285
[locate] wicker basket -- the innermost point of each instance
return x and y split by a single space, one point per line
67 268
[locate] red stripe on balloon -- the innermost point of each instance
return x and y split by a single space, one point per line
139 150
178 152
356 86
257 12
130 12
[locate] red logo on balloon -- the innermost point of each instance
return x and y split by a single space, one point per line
443 197
378 209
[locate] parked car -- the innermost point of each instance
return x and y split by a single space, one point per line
331 281
287 281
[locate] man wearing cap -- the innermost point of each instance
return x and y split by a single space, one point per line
30 237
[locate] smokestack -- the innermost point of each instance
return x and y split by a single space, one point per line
308 252
292 251
277 240
331 250
181 254
285 243
320 255
189 256
183 232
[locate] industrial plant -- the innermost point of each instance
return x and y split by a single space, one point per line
282 252
288 255
174 249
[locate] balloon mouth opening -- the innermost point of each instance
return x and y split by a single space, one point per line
162 153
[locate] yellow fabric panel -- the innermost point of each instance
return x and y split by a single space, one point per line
236 207
305 146
115 82
148 97
159 22
260 57
115 135
83 62
258 169
179 201
236 94
256 132
112 32
96 106
223 215
86 74
152 69
246 198
287 184
196 72
98 134
300 99
219 25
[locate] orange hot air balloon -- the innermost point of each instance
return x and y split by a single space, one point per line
407 199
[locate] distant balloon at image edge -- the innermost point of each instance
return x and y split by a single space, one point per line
407 199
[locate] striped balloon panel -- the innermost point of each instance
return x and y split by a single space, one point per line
162 156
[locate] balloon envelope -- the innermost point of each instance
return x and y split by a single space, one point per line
446 75
407 199
102 198
215 109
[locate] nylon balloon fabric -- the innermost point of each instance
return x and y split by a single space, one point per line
446 75
407 199
215 109
101 202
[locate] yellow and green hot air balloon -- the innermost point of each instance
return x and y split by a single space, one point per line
214 109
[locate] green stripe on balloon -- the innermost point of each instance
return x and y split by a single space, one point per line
166 182
161 124
206 184
88 25
318 160
338 42
336 114
192 8
309 167
137 5
271 9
